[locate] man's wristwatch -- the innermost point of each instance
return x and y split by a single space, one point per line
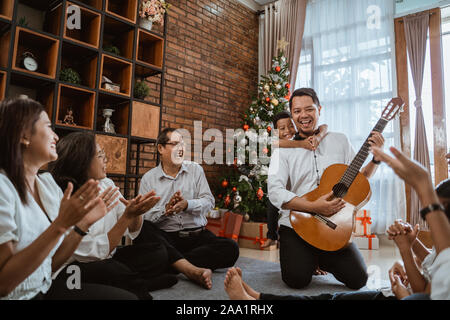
431 208
79 231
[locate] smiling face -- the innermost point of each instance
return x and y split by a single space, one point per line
305 114
40 142
173 151
97 168
285 128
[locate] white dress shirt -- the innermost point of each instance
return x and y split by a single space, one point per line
23 224
95 245
298 165
440 276
192 183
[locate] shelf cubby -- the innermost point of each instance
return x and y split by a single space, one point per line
124 9
5 42
82 103
120 115
150 49
154 85
89 34
6 9
119 72
34 87
3 76
120 35
145 120
83 60
43 47
116 149
96 4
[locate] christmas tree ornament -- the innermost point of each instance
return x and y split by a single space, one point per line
224 183
227 200
246 127
278 69
267 99
246 217
237 200
278 86
269 128
260 193
266 87
234 189
275 102
288 86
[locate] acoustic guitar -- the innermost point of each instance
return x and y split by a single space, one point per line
334 232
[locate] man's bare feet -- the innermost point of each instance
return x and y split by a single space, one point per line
201 276
233 286
247 288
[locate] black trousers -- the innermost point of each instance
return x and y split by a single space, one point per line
204 250
365 295
138 268
272 221
298 260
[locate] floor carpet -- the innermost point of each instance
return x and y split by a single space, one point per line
263 276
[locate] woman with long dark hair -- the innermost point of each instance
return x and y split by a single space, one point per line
40 227
137 268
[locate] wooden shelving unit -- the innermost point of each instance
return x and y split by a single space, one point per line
105 25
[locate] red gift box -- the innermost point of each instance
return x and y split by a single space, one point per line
228 226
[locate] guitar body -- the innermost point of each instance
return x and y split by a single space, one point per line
317 233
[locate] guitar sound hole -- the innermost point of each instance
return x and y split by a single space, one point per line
340 190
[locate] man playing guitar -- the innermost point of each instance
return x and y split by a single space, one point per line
303 168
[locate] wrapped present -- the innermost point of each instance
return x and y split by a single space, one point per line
253 236
228 226
362 223
369 242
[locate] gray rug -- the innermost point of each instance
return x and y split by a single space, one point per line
263 276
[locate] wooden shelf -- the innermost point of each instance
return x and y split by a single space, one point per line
82 60
120 35
43 47
120 115
6 9
116 149
150 49
89 34
81 101
96 4
5 42
118 71
34 87
3 76
145 120
124 9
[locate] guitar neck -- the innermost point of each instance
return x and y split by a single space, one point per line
353 169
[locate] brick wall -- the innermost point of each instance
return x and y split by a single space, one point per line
211 68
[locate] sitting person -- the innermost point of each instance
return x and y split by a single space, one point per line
40 227
136 268
179 219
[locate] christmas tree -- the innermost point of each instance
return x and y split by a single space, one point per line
243 188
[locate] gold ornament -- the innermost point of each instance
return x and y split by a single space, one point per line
275 102
282 44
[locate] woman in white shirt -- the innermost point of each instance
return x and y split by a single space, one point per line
137 268
36 218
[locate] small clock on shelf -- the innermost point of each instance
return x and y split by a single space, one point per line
29 62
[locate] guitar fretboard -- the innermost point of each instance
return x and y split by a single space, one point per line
353 170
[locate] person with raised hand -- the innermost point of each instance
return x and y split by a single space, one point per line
40 227
138 268
433 212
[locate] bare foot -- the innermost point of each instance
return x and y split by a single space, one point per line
247 288
202 277
319 272
233 286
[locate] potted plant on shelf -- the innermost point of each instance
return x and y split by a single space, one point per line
70 75
152 11
141 90
112 49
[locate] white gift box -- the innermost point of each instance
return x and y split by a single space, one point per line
370 242
362 223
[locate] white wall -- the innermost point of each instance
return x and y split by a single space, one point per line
411 6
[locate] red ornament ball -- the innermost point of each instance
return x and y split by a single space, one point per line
278 69
288 86
220 196
224 183
269 129
260 193
267 99
234 189
246 127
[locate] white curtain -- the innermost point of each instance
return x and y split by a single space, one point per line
347 57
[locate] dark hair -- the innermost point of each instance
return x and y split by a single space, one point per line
163 137
75 154
16 116
304 92
280 115
443 191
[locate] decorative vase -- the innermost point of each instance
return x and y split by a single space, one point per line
108 127
145 24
